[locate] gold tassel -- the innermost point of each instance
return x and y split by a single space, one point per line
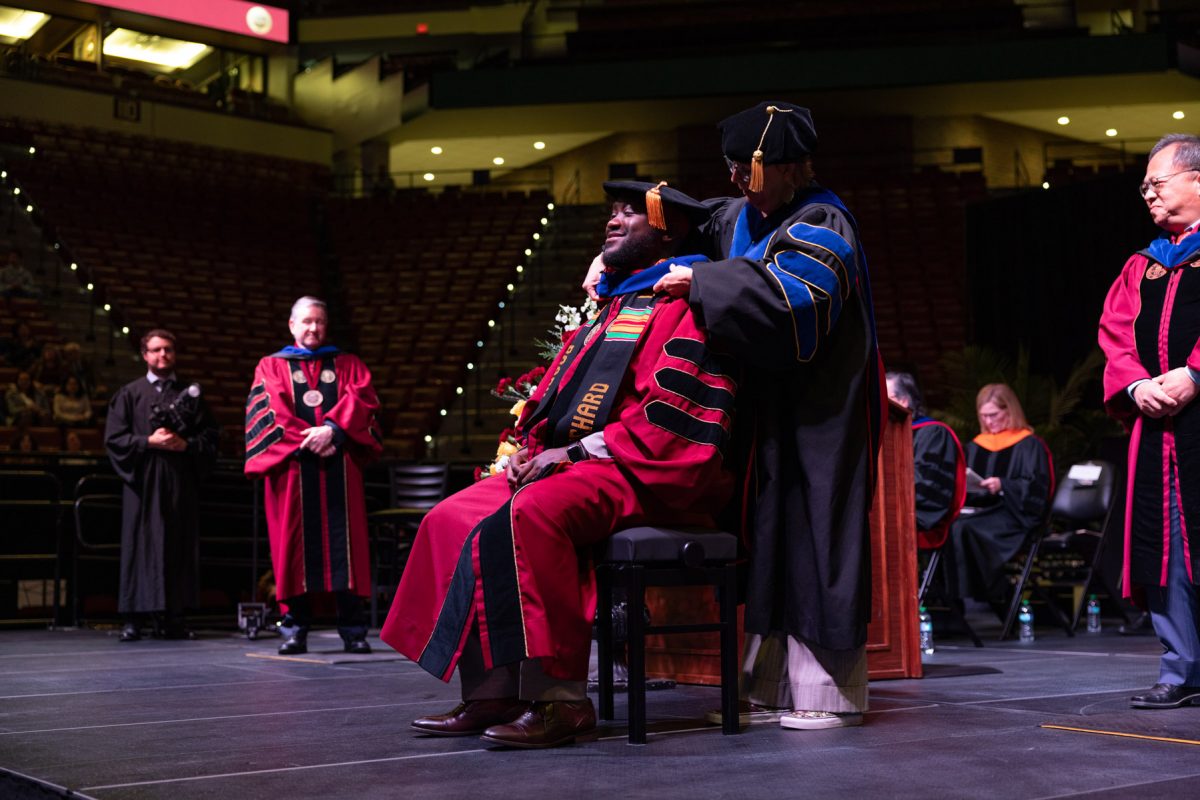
654 208
756 172
756 162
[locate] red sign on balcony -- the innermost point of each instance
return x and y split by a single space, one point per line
237 16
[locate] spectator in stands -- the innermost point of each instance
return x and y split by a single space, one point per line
1009 480
311 429
15 278
23 347
1149 331
650 450
72 406
80 367
26 404
939 467
21 445
791 299
49 371
162 442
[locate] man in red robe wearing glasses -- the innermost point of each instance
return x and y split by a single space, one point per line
310 430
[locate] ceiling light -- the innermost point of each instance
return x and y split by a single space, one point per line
539 145
437 151
1045 184
17 24
428 176
107 307
1064 120
125 329
1178 115
497 161
1111 132
428 439
549 206
160 51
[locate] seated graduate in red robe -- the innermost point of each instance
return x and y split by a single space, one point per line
629 427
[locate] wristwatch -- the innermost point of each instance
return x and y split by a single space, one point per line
577 452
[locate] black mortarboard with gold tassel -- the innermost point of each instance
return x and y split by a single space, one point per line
772 132
655 198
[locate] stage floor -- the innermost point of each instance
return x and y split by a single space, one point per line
221 717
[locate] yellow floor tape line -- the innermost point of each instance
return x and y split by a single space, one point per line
1125 735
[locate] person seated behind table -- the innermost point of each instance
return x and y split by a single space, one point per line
72 406
939 467
630 427
25 403
1008 499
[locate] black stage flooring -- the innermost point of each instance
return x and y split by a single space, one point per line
220 717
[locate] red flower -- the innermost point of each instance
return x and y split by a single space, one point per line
503 385
478 474
507 434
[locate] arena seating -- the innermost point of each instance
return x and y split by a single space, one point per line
215 245
422 275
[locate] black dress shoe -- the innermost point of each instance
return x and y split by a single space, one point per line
1166 695
130 633
547 724
472 717
358 647
296 644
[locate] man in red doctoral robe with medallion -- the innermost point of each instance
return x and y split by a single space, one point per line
310 429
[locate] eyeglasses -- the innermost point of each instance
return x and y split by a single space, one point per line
1160 181
739 170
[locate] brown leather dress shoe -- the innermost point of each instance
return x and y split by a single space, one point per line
472 717
547 724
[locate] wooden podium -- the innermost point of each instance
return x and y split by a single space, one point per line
892 645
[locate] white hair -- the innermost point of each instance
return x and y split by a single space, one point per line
307 301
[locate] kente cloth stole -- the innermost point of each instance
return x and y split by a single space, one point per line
580 404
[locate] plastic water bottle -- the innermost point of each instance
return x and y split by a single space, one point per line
1025 620
926 628
1093 615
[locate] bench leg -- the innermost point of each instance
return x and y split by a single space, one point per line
604 640
729 652
636 625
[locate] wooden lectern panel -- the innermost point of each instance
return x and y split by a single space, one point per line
892 639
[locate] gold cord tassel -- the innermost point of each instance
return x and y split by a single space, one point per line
756 171
756 162
654 208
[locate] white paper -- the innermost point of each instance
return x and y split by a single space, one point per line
1085 473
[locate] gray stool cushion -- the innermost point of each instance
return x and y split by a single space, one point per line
651 543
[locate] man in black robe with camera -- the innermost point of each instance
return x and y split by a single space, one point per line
162 442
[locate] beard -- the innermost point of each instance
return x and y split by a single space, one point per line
630 254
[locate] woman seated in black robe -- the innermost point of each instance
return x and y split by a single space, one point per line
1007 496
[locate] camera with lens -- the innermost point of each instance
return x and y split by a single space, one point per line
180 414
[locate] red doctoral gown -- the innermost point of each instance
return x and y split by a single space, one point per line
1150 325
518 563
316 514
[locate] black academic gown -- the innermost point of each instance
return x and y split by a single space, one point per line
160 531
797 314
988 537
938 464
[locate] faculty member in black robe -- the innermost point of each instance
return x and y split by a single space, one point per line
1010 501
938 464
162 457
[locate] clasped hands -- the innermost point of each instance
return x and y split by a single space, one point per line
1165 395
676 283
522 469
164 439
319 440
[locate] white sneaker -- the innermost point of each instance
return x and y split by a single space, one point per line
748 713
818 720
